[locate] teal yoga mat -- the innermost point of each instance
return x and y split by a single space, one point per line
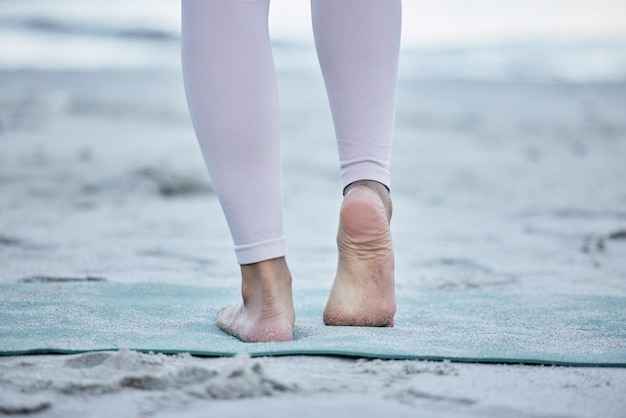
458 326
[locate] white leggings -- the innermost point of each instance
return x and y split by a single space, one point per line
232 93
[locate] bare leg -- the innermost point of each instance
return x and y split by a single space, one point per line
266 313
363 291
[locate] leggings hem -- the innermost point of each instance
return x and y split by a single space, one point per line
261 251
375 173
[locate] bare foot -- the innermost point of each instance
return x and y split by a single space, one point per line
266 313
363 291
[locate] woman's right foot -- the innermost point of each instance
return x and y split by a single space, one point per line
363 293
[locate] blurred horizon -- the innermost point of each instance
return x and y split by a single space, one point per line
568 40
462 23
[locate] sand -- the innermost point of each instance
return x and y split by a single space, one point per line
129 384
512 187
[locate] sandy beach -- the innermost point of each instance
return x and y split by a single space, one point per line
507 177
498 187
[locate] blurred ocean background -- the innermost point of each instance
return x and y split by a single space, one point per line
485 40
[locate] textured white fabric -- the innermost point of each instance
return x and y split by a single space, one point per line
357 45
232 95
233 99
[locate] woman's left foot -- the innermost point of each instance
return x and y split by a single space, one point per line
266 313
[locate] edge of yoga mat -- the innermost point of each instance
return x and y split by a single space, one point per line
459 314
330 353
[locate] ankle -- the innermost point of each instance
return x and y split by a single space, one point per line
266 275
267 285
